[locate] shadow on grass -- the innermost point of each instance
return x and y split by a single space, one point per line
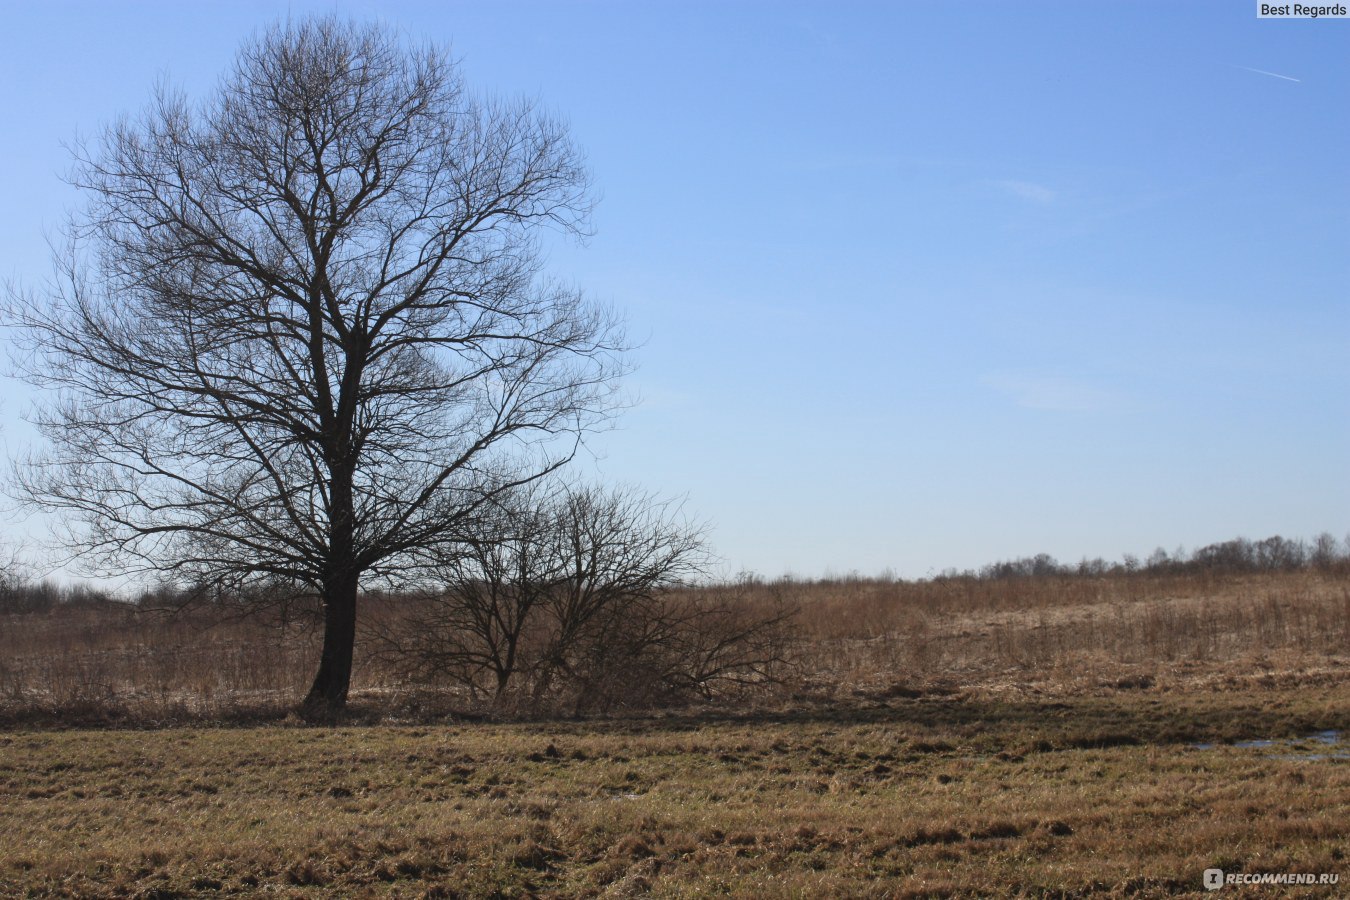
1028 725
1013 725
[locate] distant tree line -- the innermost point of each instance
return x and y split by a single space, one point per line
18 596
1239 556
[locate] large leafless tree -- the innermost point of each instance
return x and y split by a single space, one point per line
300 332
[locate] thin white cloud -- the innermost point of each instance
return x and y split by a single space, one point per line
1050 393
1271 74
1027 190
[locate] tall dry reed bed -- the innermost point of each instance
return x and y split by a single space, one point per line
852 638
1068 632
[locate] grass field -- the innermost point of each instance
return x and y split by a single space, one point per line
1055 738
913 797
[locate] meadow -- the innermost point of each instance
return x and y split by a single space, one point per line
1055 735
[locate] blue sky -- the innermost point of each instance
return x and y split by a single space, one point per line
918 285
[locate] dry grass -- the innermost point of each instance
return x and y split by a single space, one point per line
114 662
1070 635
922 797
857 639
1030 737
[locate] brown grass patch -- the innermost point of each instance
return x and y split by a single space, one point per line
926 796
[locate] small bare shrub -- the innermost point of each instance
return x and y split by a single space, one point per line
578 600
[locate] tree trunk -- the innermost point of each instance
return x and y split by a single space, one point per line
329 692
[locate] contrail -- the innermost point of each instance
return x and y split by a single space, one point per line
1271 74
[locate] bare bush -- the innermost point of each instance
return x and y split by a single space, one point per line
711 642
576 600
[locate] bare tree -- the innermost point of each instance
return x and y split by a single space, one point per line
1325 553
581 597
616 553
299 334
477 621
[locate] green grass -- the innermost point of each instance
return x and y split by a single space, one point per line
904 797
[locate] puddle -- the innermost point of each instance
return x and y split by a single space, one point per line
1323 741
1322 744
